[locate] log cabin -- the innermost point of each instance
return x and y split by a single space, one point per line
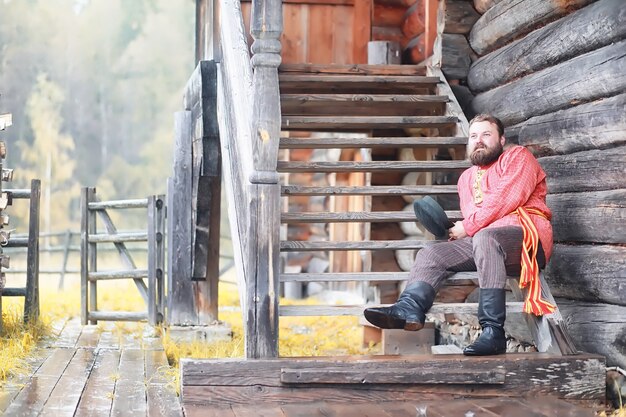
327 118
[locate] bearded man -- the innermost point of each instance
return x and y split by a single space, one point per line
505 230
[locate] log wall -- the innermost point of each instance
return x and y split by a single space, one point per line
553 71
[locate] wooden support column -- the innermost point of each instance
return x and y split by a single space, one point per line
262 290
430 27
188 300
31 302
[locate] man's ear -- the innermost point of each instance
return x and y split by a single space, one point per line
502 140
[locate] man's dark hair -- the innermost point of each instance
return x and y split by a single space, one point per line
491 119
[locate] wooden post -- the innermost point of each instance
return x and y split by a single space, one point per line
31 301
180 292
262 290
152 260
86 196
66 255
430 30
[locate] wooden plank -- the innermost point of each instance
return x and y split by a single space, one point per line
306 246
33 396
118 237
118 204
31 299
13 386
408 409
571 173
366 276
556 42
69 335
334 410
89 337
598 216
362 104
258 411
526 96
125 274
163 402
303 190
97 397
598 271
219 382
511 19
366 84
363 216
597 125
370 142
353 69
373 166
119 315
350 310
460 408
320 34
391 376
347 123
66 394
130 389
193 410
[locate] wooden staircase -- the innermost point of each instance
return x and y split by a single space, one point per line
385 103
329 99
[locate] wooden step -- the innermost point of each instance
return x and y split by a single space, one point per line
370 142
531 375
364 276
313 246
357 84
357 310
362 104
357 216
363 123
372 166
292 190
352 69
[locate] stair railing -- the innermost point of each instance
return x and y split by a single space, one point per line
248 111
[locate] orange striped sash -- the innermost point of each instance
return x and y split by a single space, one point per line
530 269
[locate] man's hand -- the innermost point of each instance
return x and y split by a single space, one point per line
457 231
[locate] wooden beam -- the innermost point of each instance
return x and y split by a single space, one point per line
591 273
556 42
430 26
571 173
600 124
511 19
456 56
414 20
229 382
586 80
589 217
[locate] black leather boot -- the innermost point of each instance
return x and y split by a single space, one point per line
491 316
408 313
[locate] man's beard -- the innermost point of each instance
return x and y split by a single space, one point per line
486 156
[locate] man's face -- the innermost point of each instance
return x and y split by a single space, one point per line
484 145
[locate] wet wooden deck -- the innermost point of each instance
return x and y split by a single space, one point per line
97 371
91 371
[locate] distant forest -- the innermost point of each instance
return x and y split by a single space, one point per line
92 86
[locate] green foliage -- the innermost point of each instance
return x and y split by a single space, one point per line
114 74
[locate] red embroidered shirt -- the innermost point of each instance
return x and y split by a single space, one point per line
515 179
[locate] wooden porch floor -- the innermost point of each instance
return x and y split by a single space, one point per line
537 407
96 371
88 371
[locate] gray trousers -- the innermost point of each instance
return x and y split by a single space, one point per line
494 252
